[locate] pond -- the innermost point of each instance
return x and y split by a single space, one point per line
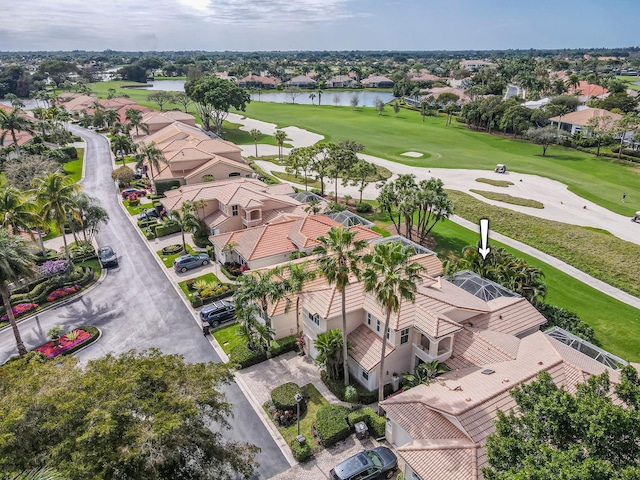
365 98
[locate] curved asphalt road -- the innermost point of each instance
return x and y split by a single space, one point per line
136 307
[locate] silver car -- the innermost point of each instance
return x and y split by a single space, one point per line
189 261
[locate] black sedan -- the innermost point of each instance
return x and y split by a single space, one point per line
107 257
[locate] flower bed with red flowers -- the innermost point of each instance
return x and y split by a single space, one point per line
69 342
19 310
62 292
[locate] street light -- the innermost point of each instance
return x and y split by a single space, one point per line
298 399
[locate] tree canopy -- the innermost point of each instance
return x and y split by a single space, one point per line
556 434
214 97
137 415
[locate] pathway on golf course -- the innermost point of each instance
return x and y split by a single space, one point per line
560 204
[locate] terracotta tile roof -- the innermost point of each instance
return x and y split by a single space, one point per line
302 79
582 117
367 347
420 421
376 79
442 460
513 315
215 218
122 112
473 348
259 79
433 324
588 90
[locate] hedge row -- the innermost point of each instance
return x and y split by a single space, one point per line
166 229
283 396
198 301
162 187
364 396
243 357
80 276
331 424
375 422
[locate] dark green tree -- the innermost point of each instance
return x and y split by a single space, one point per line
214 97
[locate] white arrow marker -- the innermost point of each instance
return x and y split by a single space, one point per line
484 238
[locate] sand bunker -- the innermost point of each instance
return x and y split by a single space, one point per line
412 154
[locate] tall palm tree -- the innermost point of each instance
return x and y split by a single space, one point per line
11 123
18 211
281 136
200 204
110 116
123 145
312 96
391 277
135 120
298 276
16 262
261 288
187 221
246 315
255 133
338 262
54 194
154 156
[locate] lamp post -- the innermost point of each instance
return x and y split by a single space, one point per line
298 399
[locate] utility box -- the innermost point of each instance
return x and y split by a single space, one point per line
362 431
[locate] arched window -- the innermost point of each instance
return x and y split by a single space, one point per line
208 178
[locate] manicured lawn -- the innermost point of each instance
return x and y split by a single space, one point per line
228 338
601 180
74 167
503 197
632 82
168 259
382 231
264 174
135 210
314 403
94 265
299 179
207 277
232 133
495 183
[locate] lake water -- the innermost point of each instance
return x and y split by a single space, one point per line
365 98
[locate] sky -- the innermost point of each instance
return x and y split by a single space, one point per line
259 25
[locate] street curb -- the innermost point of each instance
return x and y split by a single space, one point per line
271 428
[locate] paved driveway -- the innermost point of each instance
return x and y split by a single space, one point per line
137 307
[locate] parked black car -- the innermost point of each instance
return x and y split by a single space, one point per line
367 465
107 257
148 214
218 312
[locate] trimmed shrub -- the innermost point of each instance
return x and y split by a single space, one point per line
70 151
331 424
283 396
211 252
364 207
234 268
172 249
375 422
351 394
146 223
162 187
283 345
364 396
202 242
243 357
149 233
133 201
196 301
166 229
95 334
302 453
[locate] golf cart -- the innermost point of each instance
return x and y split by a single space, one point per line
636 218
500 168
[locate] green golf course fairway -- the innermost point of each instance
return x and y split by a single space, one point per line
599 179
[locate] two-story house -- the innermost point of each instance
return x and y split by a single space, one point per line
236 203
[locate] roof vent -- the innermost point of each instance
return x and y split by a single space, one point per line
488 371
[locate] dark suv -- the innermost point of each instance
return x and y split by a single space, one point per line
368 465
218 312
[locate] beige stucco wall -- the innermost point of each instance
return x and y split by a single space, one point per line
284 324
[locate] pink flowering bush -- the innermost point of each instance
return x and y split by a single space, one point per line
19 310
49 350
62 292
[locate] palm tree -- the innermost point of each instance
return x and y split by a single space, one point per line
187 222
280 138
154 156
16 262
246 315
573 81
255 133
391 278
111 116
123 145
264 335
329 347
17 211
11 123
135 120
339 261
424 373
313 206
295 282
39 474
261 288
200 204
320 92
54 194
312 96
